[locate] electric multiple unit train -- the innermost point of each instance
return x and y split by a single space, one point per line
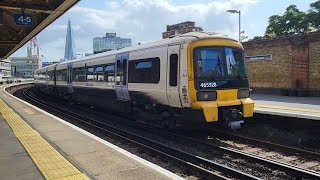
197 77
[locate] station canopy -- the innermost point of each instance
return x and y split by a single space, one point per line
21 20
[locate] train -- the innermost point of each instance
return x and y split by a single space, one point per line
197 77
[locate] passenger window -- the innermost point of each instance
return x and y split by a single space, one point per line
144 71
75 74
109 73
173 72
90 74
99 73
118 75
58 76
144 65
62 75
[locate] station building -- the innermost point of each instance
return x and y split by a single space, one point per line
110 42
24 67
5 69
287 65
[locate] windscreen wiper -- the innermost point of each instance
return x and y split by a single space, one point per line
233 68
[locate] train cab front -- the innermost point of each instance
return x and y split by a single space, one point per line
218 82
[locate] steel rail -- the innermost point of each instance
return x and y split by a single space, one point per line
299 172
184 159
268 144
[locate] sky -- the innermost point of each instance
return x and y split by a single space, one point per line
145 20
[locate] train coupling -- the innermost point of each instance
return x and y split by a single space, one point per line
233 118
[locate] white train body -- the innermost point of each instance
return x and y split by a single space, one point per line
157 78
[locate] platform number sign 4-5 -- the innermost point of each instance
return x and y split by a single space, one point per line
23 19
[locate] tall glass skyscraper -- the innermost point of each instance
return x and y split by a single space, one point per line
109 42
70 48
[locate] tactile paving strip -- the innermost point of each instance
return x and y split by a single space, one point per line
50 162
289 108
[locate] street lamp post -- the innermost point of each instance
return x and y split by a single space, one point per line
239 12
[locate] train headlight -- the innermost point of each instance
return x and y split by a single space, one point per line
207 96
243 93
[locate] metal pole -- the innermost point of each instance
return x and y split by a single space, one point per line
239 26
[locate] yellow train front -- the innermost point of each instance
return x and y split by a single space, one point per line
217 81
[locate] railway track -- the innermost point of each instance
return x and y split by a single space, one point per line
200 166
197 164
303 159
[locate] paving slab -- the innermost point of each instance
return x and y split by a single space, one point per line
299 107
15 162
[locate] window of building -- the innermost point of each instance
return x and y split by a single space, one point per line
144 71
173 73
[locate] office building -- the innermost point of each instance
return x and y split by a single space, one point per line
70 47
180 28
109 42
24 67
5 69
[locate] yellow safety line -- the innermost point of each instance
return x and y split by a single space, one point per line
289 108
50 162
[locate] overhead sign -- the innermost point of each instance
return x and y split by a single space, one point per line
259 57
23 20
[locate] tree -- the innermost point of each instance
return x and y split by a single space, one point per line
314 14
293 21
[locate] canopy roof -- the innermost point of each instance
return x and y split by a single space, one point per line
21 20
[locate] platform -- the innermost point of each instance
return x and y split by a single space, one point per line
38 145
300 107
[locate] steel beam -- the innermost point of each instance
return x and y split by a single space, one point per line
23 7
56 13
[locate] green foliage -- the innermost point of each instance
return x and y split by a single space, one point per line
314 14
293 21
258 37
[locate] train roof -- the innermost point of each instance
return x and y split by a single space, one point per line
179 39
191 36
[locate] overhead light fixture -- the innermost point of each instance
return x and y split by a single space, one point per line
239 12
233 11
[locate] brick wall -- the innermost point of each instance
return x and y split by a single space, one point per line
270 74
300 66
314 65
295 64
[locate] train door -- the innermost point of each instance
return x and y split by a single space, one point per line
46 77
69 78
69 74
121 68
173 72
